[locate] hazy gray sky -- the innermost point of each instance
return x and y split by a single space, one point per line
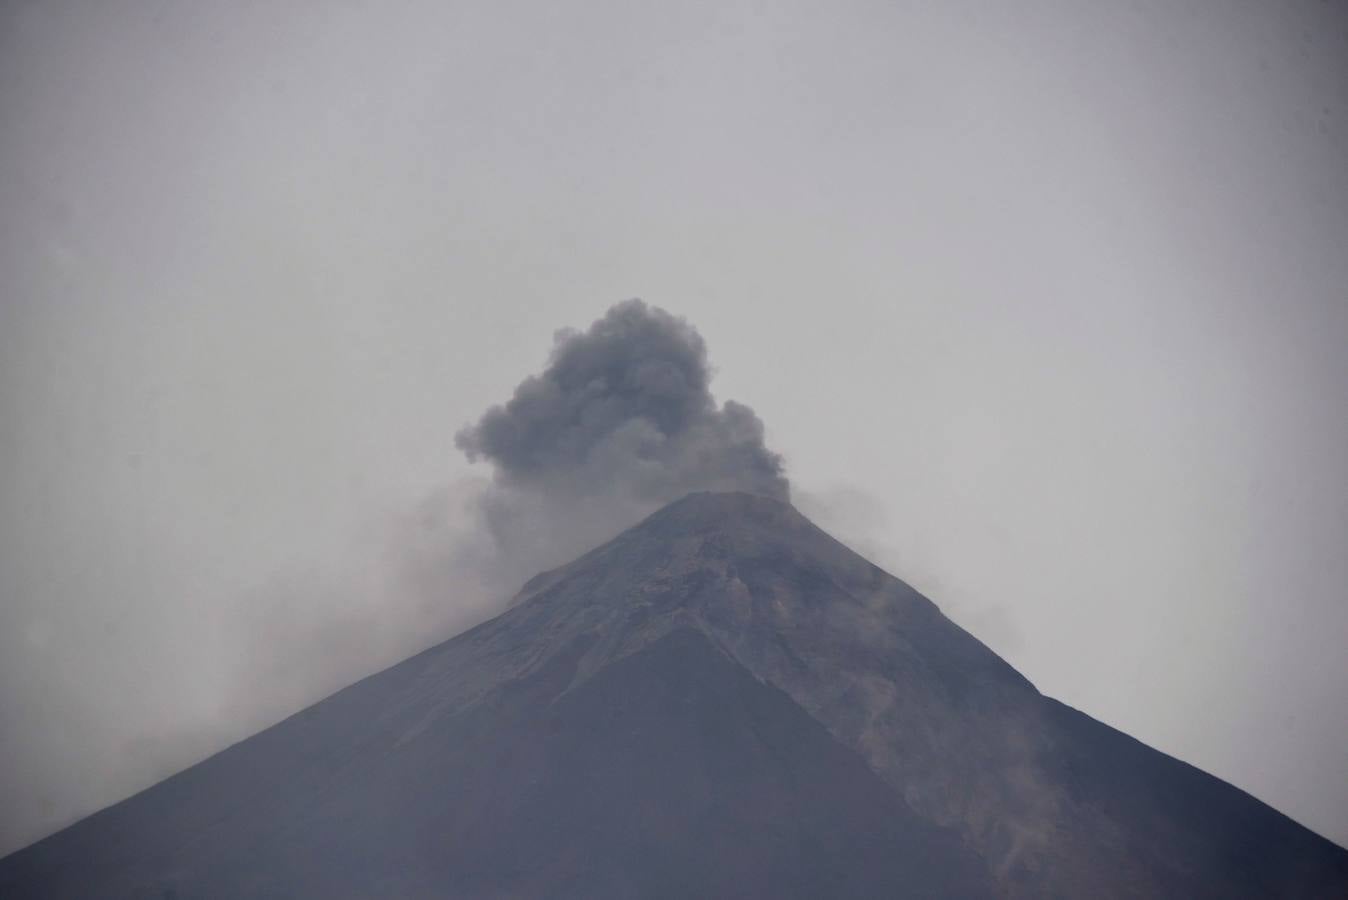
1045 304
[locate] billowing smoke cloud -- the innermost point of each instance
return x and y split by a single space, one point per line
620 422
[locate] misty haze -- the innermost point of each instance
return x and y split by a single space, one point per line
960 510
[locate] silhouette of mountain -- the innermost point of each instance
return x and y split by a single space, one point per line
722 701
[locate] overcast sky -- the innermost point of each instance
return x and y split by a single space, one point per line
1044 303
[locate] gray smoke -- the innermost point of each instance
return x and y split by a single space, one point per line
620 422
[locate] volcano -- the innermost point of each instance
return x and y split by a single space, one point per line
723 701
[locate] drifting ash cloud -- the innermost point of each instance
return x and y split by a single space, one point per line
620 421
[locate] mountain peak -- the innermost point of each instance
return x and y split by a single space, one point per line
695 530
702 509
712 525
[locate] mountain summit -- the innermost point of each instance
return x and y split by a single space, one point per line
721 701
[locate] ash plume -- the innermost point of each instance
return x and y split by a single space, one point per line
620 421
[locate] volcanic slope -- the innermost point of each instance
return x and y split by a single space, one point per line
722 701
